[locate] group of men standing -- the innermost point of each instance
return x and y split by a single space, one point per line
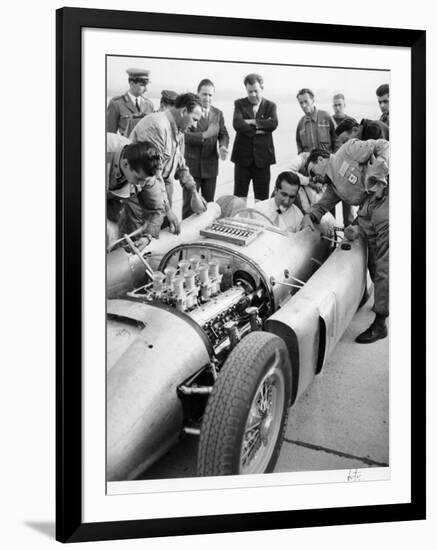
338 159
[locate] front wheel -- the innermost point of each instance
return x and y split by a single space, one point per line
246 414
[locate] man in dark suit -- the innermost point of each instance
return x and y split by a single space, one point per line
203 145
125 111
255 119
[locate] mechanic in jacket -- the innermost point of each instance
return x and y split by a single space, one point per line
358 174
136 195
165 130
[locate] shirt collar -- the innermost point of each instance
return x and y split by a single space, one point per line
133 98
172 121
312 116
330 172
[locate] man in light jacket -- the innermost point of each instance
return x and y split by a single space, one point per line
358 175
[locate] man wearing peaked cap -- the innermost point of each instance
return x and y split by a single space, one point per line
168 97
126 110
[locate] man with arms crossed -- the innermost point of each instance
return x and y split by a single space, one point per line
255 119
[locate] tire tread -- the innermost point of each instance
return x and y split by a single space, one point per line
228 405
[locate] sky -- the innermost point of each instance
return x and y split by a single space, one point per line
280 82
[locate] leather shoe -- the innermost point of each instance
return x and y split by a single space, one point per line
372 334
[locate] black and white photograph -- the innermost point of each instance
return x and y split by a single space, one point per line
218 275
235 286
247 241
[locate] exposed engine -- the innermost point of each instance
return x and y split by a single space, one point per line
233 280
218 303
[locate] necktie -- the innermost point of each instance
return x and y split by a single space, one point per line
137 102
277 217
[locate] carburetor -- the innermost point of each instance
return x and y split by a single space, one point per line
186 287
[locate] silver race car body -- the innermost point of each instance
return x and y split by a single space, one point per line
232 328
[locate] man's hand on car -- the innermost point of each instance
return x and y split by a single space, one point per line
173 222
307 222
197 202
351 232
142 242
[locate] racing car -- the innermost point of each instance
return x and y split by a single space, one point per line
226 331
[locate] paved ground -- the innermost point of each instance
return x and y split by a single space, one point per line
340 422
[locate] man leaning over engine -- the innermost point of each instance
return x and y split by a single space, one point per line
358 173
165 130
136 196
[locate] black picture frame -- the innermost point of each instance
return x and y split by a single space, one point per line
69 524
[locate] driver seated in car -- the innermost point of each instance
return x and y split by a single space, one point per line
282 210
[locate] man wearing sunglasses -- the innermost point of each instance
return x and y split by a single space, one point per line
124 111
383 95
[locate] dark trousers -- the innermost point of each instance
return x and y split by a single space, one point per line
373 222
260 177
206 186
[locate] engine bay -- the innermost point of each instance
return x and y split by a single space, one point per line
221 293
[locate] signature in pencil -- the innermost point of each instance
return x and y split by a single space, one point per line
354 475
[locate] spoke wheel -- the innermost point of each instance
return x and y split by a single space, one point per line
263 423
245 417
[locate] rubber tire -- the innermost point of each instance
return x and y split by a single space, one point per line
229 204
228 406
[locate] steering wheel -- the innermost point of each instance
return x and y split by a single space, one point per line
252 214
